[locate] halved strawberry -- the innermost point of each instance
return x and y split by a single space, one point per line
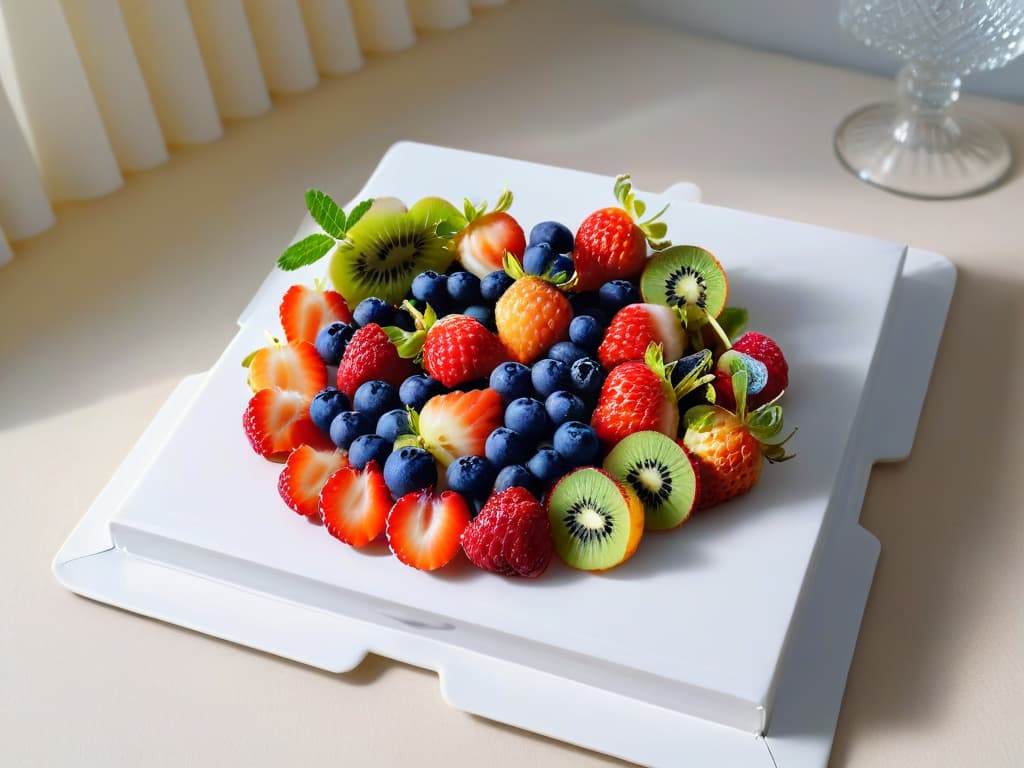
304 311
294 366
276 421
424 529
354 505
482 244
457 424
304 475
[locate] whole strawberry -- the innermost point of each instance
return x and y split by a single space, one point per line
533 314
634 327
611 244
776 372
455 349
481 245
511 536
729 448
371 355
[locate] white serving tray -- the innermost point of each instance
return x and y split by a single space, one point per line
726 642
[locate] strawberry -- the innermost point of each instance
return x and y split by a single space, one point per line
370 355
729 447
511 536
354 504
304 475
632 330
294 366
612 245
533 314
304 311
458 423
482 244
456 349
424 528
276 421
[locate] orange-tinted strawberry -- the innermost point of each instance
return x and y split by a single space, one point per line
482 244
636 396
424 528
511 536
458 423
304 475
276 421
304 311
294 366
354 504
611 244
633 329
370 355
533 314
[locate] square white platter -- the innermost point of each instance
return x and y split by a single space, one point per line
725 642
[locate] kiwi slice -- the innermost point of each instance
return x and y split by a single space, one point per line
660 473
688 278
596 522
384 252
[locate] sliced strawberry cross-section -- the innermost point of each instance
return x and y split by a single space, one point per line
304 311
354 504
276 421
424 528
304 475
294 366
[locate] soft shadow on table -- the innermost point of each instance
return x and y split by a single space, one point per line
940 516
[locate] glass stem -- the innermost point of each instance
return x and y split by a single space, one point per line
926 96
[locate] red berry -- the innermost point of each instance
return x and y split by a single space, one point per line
304 311
633 329
304 475
481 246
295 366
636 396
609 246
763 349
459 348
370 355
424 528
276 421
458 423
511 536
354 505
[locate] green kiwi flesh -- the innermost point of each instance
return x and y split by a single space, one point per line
660 473
384 253
688 278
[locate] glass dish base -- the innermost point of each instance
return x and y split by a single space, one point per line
931 157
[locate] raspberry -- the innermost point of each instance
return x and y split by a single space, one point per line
511 536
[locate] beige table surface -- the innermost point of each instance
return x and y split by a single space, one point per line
102 315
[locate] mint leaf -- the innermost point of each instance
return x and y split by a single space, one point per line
306 251
357 213
326 213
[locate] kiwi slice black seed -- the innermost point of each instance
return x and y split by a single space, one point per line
688 278
660 473
384 253
596 522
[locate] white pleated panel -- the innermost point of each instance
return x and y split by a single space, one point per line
229 53
382 25
282 45
332 34
24 208
67 135
116 81
165 44
439 14
5 249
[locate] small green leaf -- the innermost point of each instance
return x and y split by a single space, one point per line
504 200
700 418
247 360
414 419
639 206
305 252
357 213
739 391
732 320
408 343
429 317
326 213
657 230
765 423
407 441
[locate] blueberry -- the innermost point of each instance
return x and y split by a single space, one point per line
586 331
431 288
537 259
505 446
409 469
547 465
567 352
416 390
393 423
516 475
326 404
472 476
348 425
463 288
564 406
587 376
563 264
375 398
484 314
549 376
528 417
617 294
558 236
493 285
511 380
373 310
331 341
576 442
367 448
687 364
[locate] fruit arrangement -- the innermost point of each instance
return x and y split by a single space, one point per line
464 388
